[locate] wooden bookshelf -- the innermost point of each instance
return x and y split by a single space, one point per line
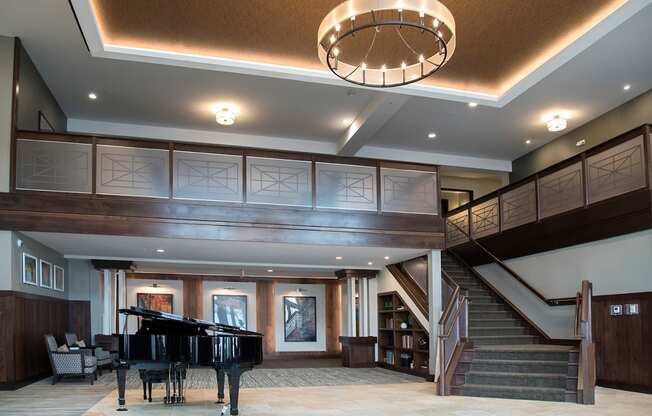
399 348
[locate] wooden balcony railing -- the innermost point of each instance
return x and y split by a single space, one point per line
612 169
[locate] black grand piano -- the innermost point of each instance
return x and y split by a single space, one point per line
169 343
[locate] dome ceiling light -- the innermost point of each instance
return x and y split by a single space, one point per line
386 43
556 122
225 114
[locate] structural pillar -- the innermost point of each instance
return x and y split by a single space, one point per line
363 285
122 299
107 316
434 307
351 318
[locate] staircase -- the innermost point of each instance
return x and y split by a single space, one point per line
505 357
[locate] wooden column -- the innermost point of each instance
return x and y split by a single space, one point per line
193 294
265 314
333 316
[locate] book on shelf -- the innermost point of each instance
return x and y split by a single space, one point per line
389 357
407 342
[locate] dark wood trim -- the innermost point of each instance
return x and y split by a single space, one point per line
41 115
353 273
112 264
15 92
145 144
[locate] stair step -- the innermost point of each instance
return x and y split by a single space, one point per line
484 306
479 313
504 339
495 322
520 353
511 392
500 330
516 379
520 366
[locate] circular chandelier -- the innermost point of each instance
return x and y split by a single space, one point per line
386 43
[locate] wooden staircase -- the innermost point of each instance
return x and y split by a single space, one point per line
504 356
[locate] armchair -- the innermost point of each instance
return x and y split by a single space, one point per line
76 363
103 357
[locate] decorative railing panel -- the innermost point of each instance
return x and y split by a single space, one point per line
408 191
133 171
54 166
561 191
617 170
207 176
485 219
346 187
417 269
454 223
279 181
519 206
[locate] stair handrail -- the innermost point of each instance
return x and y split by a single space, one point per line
587 366
505 267
452 313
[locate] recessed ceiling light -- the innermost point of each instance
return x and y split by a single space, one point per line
473 104
386 257
92 96
225 113
338 258
270 270
160 250
627 87
370 263
528 141
432 135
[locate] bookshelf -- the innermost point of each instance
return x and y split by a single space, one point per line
400 349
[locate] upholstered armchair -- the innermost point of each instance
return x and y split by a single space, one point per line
104 358
70 363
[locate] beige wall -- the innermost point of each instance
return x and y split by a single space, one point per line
135 286
6 85
613 123
247 289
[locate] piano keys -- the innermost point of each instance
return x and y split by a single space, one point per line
168 343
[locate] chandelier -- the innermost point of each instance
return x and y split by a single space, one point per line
386 43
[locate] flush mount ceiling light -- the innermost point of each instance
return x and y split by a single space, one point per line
556 122
225 113
386 43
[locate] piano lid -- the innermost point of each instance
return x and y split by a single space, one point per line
186 320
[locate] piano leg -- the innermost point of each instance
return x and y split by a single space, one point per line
234 388
121 374
220 385
144 390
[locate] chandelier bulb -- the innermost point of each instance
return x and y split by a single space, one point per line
383 68
421 58
435 23
333 38
441 36
338 27
421 14
353 18
403 66
364 66
336 51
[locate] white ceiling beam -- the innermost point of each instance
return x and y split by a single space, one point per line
363 129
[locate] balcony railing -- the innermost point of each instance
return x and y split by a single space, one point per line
614 168
187 172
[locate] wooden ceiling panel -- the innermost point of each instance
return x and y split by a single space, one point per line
497 39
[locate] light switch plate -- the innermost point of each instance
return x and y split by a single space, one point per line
631 309
615 310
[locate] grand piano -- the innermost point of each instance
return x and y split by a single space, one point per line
170 343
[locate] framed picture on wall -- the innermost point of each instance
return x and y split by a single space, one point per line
44 124
230 310
58 278
161 302
300 318
46 274
30 272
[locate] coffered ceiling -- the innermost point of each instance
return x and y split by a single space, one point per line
498 40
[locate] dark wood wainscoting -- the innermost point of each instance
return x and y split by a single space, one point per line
25 319
624 343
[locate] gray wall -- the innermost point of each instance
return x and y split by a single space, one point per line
85 285
39 251
6 85
35 96
613 123
6 260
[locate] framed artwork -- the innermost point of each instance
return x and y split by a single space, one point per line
161 302
44 124
46 274
30 272
58 278
230 310
300 318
